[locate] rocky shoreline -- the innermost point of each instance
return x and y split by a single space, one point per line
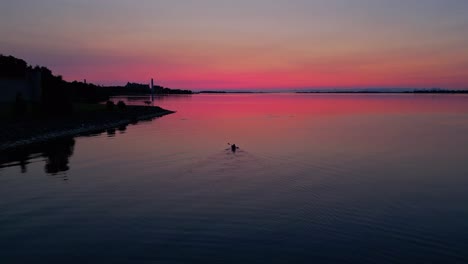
26 132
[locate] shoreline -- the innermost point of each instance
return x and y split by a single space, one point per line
77 126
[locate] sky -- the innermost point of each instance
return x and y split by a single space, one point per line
244 44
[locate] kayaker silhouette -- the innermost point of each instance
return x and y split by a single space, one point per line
233 147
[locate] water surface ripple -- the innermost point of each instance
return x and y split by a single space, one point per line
317 179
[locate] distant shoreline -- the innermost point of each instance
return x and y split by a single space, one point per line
387 92
23 133
340 92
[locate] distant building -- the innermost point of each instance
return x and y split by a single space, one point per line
29 87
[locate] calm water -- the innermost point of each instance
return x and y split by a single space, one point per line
317 179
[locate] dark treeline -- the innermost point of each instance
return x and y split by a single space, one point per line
12 68
58 95
136 88
87 92
55 98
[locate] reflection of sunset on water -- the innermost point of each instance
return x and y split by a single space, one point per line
312 173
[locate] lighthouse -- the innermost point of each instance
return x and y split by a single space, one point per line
152 89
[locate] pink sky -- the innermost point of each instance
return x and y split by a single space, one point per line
244 45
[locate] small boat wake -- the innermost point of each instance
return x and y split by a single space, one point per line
232 160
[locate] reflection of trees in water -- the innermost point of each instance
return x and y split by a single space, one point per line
58 154
112 131
15 158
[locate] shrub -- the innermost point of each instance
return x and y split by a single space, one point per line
121 105
110 105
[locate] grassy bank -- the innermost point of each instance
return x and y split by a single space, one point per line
34 127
